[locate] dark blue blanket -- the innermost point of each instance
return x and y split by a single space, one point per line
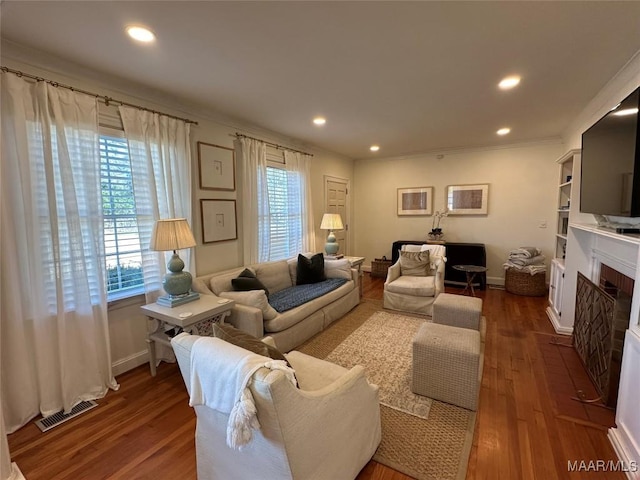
295 296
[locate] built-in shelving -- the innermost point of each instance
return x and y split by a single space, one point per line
567 207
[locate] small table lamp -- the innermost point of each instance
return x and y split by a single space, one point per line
174 234
331 222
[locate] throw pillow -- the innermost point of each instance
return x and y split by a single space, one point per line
246 281
337 268
230 334
310 270
253 298
414 263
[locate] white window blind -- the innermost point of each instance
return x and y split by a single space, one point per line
285 213
123 251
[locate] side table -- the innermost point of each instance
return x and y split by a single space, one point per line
194 317
471 271
356 262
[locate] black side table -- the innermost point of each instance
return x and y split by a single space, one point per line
471 271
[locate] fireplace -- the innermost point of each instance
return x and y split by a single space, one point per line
601 319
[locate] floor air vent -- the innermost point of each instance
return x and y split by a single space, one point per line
57 418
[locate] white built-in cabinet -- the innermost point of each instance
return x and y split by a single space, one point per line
567 207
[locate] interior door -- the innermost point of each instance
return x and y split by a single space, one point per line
336 201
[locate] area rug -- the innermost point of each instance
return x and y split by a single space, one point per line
421 437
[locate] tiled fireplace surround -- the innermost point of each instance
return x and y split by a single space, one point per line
590 247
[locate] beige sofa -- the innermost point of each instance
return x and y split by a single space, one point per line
293 327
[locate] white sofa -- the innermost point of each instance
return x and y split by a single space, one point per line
293 327
328 428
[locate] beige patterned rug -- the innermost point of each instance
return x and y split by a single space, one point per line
421 437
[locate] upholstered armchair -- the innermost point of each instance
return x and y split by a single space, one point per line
414 282
328 427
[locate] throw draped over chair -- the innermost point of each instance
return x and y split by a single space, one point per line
416 293
326 428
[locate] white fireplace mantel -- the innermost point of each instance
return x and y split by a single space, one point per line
589 246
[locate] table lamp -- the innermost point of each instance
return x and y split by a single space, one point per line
174 234
331 222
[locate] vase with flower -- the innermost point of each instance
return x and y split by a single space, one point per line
436 230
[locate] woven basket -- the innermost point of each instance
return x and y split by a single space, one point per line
523 283
379 267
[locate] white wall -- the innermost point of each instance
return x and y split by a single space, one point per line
127 326
522 194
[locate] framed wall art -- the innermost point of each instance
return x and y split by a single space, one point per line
217 167
467 199
218 220
415 201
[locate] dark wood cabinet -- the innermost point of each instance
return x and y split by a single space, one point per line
457 254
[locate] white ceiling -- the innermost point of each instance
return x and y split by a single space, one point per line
410 76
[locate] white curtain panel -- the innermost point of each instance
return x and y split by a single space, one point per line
54 334
160 153
255 201
299 166
159 148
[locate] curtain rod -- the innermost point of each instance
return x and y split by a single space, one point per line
275 145
103 98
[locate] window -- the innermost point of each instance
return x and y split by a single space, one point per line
285 213
123 252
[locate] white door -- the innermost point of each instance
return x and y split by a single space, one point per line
336 195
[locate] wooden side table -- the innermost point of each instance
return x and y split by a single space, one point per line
194 317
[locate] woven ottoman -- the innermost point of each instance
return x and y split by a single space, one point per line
446 364
457 311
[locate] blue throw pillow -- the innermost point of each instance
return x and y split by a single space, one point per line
310 270
246 281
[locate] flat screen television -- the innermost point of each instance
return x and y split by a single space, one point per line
610 183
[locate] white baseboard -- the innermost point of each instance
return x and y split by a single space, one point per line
129 363
556 324
621 445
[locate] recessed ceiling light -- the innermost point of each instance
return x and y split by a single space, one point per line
141 34
503 131
509 82
626 111
374 148
319 120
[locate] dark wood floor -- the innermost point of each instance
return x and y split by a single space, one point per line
527 426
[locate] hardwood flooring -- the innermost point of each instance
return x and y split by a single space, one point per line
527 427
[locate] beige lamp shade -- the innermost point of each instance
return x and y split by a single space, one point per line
331 221
171 234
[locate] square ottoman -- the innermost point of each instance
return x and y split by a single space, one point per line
457 311
447 364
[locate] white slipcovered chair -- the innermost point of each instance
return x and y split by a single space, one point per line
416 294
326 428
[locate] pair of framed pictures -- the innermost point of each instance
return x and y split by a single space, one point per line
459 200
217 171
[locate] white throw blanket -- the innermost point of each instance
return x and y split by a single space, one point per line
524 252
526 259
537 260
220 377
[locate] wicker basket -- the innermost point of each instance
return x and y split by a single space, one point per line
379 267
523 283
